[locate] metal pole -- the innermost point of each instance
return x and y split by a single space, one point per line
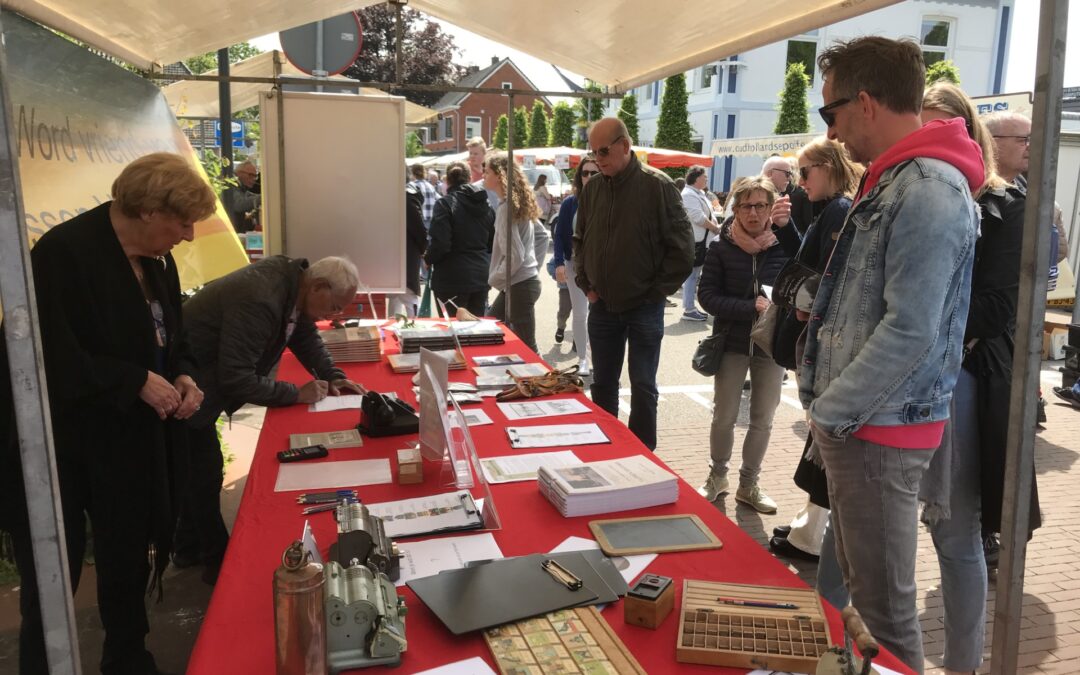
509 198
282 220
1031 309
31 402
225 112
1074 256
319 71
398 38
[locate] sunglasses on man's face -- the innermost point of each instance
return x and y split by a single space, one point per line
827 113
604 151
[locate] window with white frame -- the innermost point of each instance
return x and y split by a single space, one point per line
507 85
705 76
473 127
803 49
936 38
448 128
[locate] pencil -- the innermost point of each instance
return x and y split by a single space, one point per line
757 603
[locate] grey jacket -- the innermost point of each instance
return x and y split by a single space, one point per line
633 242
238 327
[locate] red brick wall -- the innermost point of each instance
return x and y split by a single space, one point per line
487 107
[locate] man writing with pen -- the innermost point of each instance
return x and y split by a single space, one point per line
238 327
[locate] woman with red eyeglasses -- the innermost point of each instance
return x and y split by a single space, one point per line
564 233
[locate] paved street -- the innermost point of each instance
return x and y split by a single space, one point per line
1050 627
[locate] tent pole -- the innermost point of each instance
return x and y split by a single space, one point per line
31 403
225 112
509 199
1031 310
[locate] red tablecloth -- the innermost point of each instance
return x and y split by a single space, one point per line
237 634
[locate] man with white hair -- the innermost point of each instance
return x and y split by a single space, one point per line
778 171
239 326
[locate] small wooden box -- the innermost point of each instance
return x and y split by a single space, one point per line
410 466
716 633
649 601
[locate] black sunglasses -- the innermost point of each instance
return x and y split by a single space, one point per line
827 113
804 171
604 151
587 174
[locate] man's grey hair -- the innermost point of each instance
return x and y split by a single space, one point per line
996 120
340 273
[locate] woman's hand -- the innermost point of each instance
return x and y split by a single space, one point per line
161 396
344 384
191 397
761 303
781 211
560 274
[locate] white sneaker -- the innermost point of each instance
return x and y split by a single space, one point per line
753 497
714 486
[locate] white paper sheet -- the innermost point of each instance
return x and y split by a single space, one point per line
629 566
310 545
556 435
530 410
423 515
331 403
473 418
429 557
327 475
514 468
473 666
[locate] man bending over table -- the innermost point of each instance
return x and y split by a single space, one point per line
238 326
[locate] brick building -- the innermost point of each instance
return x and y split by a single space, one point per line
464 115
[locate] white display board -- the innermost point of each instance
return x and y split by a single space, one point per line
342 160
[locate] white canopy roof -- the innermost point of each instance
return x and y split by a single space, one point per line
189 98
621 44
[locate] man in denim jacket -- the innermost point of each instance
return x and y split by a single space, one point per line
885 338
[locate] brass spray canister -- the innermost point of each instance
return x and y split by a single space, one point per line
299 614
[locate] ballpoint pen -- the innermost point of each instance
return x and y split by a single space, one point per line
757 603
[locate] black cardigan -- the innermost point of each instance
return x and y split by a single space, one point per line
99 343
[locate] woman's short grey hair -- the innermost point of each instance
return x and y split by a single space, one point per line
340 273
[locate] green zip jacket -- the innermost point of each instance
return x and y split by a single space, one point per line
633 242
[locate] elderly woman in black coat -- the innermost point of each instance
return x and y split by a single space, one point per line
118 372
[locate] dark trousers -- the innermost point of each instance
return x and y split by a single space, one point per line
564 308
522 319
475 302
200 531
609 333
120 562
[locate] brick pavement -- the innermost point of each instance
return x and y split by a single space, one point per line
1050 628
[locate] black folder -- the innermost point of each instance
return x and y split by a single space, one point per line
500 592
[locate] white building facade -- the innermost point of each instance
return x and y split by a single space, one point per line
738 97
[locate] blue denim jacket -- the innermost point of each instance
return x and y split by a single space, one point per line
885 339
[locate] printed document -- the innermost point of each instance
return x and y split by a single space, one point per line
529 410
425 515
426 558
331 403
514 468
556 435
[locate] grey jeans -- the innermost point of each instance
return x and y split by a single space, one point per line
873 490
766 379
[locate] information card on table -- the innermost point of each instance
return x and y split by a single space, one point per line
514 468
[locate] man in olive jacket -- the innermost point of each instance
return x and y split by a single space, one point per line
633 246
238 327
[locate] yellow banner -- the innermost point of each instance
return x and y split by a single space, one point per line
79 120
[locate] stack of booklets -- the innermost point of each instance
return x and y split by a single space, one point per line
497 377
438 337
611 485
410 363
352 345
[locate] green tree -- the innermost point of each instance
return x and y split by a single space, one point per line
628 114
943 70
562 125
502 131
208 61
538 126
794 117
413 146
588 111
521 127
673 128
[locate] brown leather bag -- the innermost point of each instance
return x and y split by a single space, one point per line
554 382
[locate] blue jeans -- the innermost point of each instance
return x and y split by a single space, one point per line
689 289
643 328
958 539
873 491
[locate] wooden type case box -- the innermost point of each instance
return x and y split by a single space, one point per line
720 634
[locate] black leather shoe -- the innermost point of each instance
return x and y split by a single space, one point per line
184 561
781 532
559 335
781 546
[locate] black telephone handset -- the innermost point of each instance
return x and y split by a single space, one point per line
382 415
